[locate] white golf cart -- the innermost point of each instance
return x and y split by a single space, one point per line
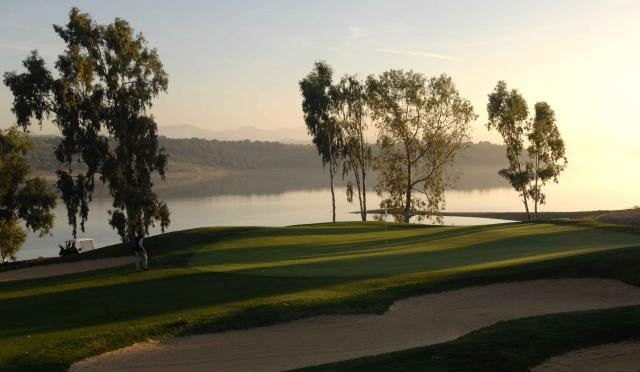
76 246
84 244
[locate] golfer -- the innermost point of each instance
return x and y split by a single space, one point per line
141 253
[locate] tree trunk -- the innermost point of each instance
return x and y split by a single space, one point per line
363 169
355 166
526 207
360 205
131 230
333 194
524 194
407 196
364 198
331 173
537 190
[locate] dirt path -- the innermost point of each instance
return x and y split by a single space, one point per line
619 357
409 323
64 268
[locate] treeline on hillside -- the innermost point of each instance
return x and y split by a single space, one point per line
247 154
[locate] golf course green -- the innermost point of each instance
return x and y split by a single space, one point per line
213 279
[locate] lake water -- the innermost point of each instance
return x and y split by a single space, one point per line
288 197
287 208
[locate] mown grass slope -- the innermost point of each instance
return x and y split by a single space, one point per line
213 279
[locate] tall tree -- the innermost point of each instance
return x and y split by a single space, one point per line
422 124
22 197
545 158
107 80
546 151
508 114
319 115
350 103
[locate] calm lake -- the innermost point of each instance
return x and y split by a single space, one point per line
288 197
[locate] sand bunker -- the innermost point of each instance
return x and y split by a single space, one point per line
619 357
64 268
413 322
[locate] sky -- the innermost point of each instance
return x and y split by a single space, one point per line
238 63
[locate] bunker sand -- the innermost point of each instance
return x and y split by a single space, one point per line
618 357
412 322
64 268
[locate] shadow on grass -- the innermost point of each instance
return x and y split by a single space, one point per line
85 307
272 253
375 258
619 264
166 245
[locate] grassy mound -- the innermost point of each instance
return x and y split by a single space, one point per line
213 279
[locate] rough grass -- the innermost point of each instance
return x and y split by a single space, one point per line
214 279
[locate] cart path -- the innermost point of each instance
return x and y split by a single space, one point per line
618 357
43 271
417 321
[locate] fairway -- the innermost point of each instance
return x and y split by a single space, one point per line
213 279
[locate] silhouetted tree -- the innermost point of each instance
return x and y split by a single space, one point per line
546 151
350 102
545 158
508 114
107 80
22 197
422 125
320 118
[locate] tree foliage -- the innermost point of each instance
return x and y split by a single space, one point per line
546 151
320 117
106 81
22 197
349 98
508 114
545 158
422 125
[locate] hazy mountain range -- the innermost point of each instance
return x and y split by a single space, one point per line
297 135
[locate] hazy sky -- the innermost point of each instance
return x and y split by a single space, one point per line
238 63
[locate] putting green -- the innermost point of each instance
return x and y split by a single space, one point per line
370 250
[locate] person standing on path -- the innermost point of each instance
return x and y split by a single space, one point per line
141 253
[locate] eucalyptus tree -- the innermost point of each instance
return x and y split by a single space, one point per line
22 197
545 157
350 103
320 117
546 152
508 114
422 125
107 78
